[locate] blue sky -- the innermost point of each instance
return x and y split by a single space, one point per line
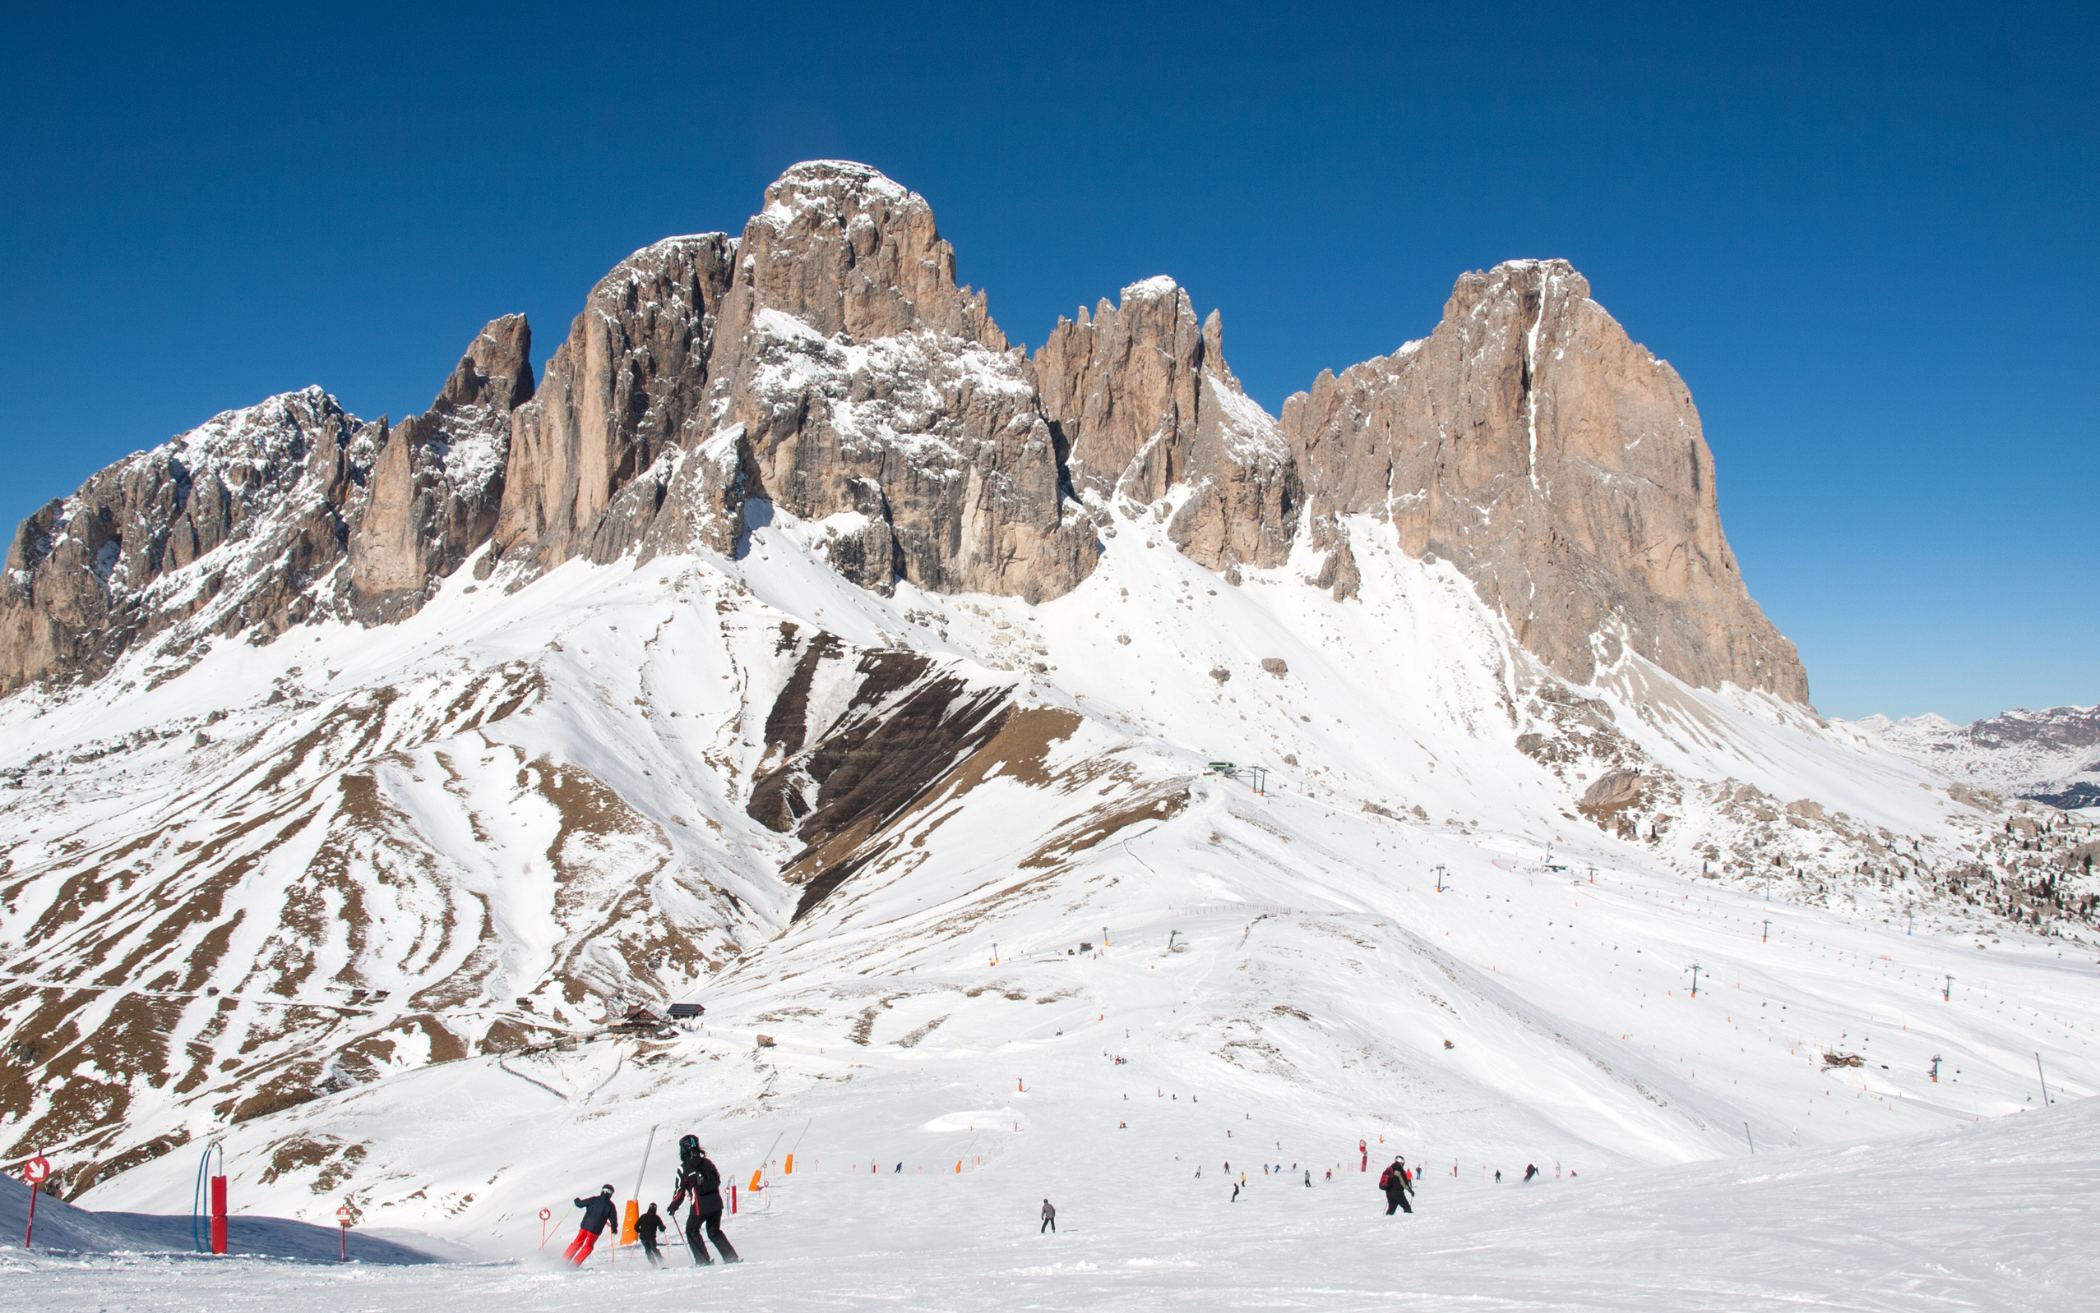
1867 236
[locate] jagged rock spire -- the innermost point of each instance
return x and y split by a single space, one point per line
1143 402
436 486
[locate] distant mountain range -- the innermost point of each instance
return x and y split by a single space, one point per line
2050 756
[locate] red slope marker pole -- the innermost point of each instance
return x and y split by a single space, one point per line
34 1172
218 1214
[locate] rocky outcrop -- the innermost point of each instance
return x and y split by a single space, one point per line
1561 467
437 484
264 517
230 525
1145 407
623 392
864 387
827 363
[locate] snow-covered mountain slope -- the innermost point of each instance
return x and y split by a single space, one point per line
360 901
1008 751
2051 756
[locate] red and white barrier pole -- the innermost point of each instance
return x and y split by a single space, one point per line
36 1171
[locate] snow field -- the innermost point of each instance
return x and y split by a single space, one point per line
935 1008
1987 1217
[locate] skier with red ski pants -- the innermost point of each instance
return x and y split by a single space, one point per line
598 1213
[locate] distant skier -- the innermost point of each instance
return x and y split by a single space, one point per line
1235 1192
1530 1170
598 1213
1498 1176
1049 1219
1393 1181
1308 1178
646 1228
698 1177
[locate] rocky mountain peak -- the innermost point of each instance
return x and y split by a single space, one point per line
626 387
845 250
1558 464
1553 284
436 486
496 369
228 526
860 385
828 362
1143 403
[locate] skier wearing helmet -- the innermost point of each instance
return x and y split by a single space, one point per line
697 1177
598 1213
1393 1180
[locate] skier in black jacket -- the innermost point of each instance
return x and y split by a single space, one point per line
598 1213
697 1177
646 1228
1393 1180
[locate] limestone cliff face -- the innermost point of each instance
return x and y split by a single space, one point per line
437 484
624 390
1560 466
863 386
232 523
1144 403
826 362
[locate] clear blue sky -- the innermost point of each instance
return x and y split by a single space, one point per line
1866 235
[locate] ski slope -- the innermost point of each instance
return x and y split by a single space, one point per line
525 808
1991 1216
